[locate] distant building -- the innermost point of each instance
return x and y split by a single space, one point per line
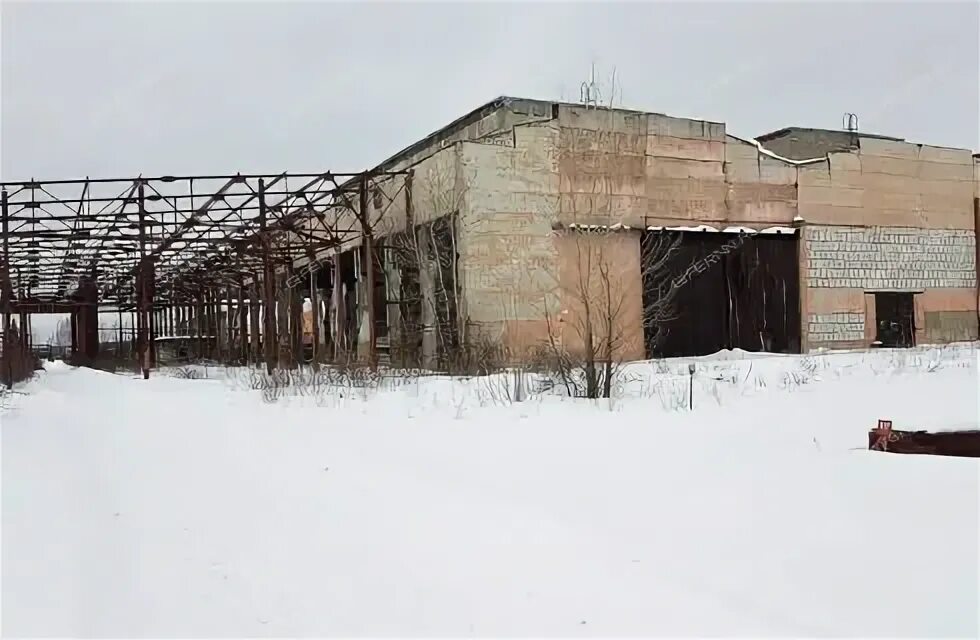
833 239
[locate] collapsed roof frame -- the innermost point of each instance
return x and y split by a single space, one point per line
195 231
152 244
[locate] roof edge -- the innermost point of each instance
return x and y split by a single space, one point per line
765 137
772 154
476 114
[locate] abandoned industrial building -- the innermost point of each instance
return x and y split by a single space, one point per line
841 239
528 223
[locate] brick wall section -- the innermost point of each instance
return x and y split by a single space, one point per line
940 263
836 327
890 258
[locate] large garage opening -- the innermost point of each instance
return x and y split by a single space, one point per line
732 291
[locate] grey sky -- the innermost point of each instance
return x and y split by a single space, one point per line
123 89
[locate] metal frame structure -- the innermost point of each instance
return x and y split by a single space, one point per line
164 247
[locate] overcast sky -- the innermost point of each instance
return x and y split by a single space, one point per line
164 88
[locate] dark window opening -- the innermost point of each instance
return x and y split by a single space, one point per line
895 314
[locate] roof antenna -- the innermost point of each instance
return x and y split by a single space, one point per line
590 94
850 122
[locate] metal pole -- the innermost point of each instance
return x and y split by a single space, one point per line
315 320
269 338
369 265
976 247
690 397
142 345
242 323
6 291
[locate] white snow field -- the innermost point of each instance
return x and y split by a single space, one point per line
175 507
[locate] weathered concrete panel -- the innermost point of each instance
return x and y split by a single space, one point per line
601 173
586 208
950 326
976 177
889 183
670 127
688 199
588 140
670 147
762 203
945 155
889 148
601 291
507 259
602 119
677 168
772 171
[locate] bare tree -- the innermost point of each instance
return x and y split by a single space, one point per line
61 337
428 323
597 329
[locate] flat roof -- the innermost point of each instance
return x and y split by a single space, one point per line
787 130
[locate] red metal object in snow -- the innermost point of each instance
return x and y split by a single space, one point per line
964 444
881 435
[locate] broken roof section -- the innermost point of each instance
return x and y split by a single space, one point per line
806 143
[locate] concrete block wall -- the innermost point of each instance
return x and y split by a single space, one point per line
508 257
890 258
844 266
889 216
837 327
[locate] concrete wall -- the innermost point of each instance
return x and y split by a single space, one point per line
891 216
643 169
508 258
596 167
600 271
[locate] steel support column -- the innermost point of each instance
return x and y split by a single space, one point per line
6 291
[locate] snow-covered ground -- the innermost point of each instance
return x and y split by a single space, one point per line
175 507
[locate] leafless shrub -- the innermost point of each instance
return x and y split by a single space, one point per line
661 366
339 381
795 379
186 373
673 394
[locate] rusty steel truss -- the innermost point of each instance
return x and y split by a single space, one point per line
157 246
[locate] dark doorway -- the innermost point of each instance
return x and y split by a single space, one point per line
734 292
895 313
